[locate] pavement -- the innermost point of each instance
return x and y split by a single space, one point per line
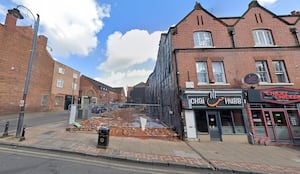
231 157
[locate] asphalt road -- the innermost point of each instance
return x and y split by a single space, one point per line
33 119
16 160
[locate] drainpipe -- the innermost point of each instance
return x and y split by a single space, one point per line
178 92
232 33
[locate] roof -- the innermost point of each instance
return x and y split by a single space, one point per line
102 86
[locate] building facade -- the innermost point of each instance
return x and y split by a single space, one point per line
136 94
95 92
15 46
65 86
230 75
49 89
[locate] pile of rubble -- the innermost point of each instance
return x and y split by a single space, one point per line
125 122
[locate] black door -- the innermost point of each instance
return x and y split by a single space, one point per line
68 101
213 126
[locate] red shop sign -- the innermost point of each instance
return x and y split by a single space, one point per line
280 95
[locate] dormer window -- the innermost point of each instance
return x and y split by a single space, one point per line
263 38
202 39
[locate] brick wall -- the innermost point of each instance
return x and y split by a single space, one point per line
14 56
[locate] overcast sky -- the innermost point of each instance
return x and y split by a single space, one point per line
116 41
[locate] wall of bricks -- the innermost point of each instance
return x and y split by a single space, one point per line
104 94
15 47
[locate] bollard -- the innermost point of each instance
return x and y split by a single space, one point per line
5 133
22 138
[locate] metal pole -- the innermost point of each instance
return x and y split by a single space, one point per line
23 101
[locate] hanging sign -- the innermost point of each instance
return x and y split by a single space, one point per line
251 79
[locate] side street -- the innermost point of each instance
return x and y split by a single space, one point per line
237 157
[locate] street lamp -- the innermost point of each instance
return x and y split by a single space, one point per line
16 13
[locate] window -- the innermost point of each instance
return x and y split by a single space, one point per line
61 70
60 83
59 100
202 73
74 86
44 101
218 70
75 76
263 38
280 71
262 70
239 124
232 122
202 39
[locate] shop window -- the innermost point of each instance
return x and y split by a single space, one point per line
280 72
232 122
258 123
239 124
226 119
295 123
201 122
202 39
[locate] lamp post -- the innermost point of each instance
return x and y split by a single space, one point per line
16 13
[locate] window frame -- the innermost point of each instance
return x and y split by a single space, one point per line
204 74
222 73
265 71
263 37
60 83
280 72
61 70
203 39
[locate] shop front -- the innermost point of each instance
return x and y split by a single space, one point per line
274 115
214 115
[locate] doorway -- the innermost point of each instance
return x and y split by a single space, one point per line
68 101
214 126
277 125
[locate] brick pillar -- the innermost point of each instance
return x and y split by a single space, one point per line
10 22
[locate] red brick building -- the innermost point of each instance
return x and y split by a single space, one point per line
217 79
92 91
45 93
15 47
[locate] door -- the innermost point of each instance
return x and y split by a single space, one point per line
213 126
281 127
277 127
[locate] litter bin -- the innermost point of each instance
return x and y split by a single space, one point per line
103 137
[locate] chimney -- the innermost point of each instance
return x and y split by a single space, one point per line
43 41
295 13
10 22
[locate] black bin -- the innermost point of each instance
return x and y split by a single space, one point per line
103 137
